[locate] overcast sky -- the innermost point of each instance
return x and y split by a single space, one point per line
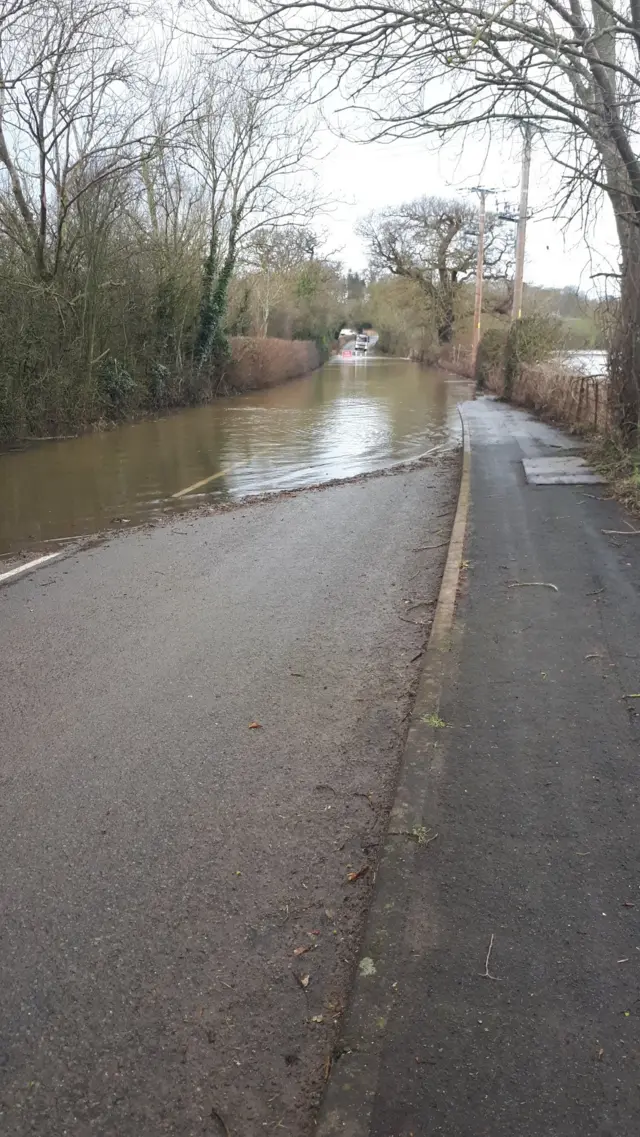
364 177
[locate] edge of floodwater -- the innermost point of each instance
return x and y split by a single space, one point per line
17 566
350 1094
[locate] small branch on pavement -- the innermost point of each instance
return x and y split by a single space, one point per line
419 604
219 1118
421 548
417 834
487 974
622 532
359 793
532 584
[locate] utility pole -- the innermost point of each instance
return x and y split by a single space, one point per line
518 283
477 312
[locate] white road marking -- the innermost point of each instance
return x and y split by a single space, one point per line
204 482
28 566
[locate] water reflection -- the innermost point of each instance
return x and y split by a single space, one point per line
347 418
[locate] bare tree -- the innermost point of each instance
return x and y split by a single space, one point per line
272 254
66 121
126 165
570 66
434 242
248 148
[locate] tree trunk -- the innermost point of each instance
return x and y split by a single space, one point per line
445 312
624 356
205 320
446 324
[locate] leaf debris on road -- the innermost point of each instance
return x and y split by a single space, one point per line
351 876
255 726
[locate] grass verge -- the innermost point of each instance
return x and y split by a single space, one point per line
620 467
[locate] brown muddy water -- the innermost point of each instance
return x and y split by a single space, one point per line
348 418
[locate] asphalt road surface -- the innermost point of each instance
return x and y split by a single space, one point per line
162 859
516 948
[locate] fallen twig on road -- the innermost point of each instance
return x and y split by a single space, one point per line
419 604
486 973
629 532
532 584
417 834
631 696
421 548
367 798
218 1117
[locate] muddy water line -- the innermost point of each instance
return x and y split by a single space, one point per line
345 419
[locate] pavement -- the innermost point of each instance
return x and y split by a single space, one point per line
178 928
498 994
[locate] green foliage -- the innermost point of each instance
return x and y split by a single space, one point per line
530 340
158 384
490 357
116 386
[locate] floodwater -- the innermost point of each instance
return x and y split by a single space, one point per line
349 417
592 363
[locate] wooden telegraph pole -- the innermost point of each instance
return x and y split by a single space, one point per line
477 312
518 283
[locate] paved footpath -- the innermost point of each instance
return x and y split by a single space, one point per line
534 791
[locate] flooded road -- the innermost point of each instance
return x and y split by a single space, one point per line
347 418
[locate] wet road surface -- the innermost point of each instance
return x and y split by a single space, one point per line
161 860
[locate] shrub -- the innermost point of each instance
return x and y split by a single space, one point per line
530 340
490 356
116 386
158 385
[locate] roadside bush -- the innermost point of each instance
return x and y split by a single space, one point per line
490 356
158 385
116 386
259 362
530 340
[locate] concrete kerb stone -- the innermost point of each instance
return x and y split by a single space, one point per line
350 1093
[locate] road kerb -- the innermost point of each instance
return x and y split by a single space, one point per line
350 1094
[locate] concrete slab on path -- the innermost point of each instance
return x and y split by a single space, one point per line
567 470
